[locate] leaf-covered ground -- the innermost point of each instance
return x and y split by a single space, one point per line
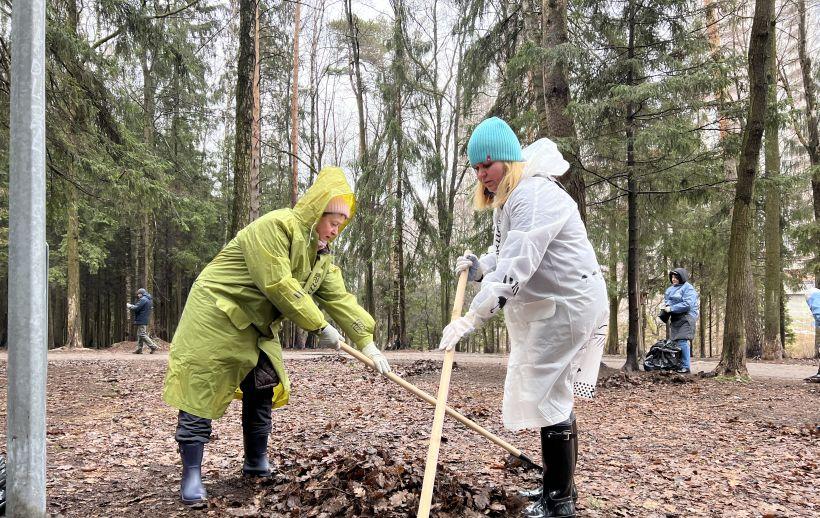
353 444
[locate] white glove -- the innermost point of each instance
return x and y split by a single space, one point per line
129 306
667 308
456 330
379 361
329 337
469 262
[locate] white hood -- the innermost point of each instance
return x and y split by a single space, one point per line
543 159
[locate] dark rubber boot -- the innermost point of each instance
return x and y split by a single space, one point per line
192 491
256 423
535 494
138 350
532 494
256 456
558 454
574 455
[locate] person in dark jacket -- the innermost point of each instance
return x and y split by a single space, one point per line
142 314
681 307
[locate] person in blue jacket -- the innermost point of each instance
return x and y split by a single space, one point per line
142 314
681 307
813 300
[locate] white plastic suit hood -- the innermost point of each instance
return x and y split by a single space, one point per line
543 159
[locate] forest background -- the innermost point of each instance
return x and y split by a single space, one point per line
693 142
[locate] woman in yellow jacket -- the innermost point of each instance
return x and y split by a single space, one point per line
278 267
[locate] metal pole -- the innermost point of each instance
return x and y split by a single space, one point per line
28 283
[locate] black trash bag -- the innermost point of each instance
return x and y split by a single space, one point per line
664 355
2 486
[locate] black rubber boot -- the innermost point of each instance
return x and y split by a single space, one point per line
558 454
575 455
256 456
532 494
536 493
256 425
192 492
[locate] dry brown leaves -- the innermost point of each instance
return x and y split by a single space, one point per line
353 444
329 482
423 366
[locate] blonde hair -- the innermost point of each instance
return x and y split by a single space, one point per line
513 172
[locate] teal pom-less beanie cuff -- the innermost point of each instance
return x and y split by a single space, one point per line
493 141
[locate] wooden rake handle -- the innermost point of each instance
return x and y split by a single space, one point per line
441 406
472 425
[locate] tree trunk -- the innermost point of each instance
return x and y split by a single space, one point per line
51 303
702 331
783 319
711 324
733 361
130 280
147 253
358 89
146 209
773 278
256 130
813 145
294 109
145 250
612 344
752 322
632 267
556 122
399 319
315 136
74 320
243 144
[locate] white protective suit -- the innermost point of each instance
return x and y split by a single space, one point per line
542 270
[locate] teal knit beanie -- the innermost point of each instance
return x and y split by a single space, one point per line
493 141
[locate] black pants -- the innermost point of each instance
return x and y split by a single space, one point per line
256 412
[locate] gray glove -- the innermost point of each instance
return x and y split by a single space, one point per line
329 337
470 263
379 361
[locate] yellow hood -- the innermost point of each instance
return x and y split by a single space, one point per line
330 183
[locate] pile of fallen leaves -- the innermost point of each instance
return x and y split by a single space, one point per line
330 482
419 367
619 378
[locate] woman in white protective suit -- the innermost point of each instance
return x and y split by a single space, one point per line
542 271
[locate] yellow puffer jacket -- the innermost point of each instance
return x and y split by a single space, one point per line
270 271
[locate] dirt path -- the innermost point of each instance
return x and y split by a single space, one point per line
757 369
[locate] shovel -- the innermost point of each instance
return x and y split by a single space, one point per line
406 385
